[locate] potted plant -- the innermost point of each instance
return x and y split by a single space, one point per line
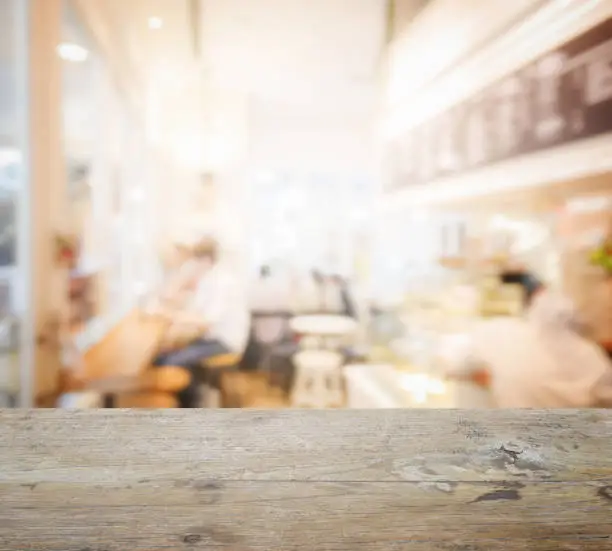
67 250
602 256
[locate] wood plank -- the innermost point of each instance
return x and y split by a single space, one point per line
110 480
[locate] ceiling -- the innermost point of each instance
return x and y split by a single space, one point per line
135 47
305 68
311 73
144 44
323 52
153 66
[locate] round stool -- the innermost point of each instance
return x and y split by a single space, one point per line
222 361
318 380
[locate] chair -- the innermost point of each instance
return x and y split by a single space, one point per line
222 361
318 381
214 367
70 382
274 349
239 387
166 379
152 400
268 332
163 379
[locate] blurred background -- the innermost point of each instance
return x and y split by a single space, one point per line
380 185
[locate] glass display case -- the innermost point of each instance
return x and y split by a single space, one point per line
449 283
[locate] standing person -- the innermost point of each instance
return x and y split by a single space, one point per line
269 293
270 310
539 361
530 284
218 314
318 289
332 295
349 309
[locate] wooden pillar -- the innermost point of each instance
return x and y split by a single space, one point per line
47 197
401 14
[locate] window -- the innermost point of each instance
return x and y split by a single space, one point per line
13 104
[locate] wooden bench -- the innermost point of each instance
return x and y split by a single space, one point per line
119 364
128 349
235 480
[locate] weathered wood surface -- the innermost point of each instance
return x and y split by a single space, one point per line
240 480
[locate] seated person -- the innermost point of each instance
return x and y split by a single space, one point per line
271 308
218 313
530 284
539 361
182 279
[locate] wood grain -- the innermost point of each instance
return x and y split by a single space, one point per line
116 480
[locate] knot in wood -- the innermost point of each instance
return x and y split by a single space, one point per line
605 492
512 448
191 539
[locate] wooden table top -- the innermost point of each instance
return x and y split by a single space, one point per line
128 349
248 480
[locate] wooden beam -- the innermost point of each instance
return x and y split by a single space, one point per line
111 480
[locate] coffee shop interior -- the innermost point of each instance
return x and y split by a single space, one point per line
306 203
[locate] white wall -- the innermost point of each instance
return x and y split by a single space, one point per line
295 139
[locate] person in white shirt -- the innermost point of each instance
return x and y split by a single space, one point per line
539 361
218 312
181 282
271 308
